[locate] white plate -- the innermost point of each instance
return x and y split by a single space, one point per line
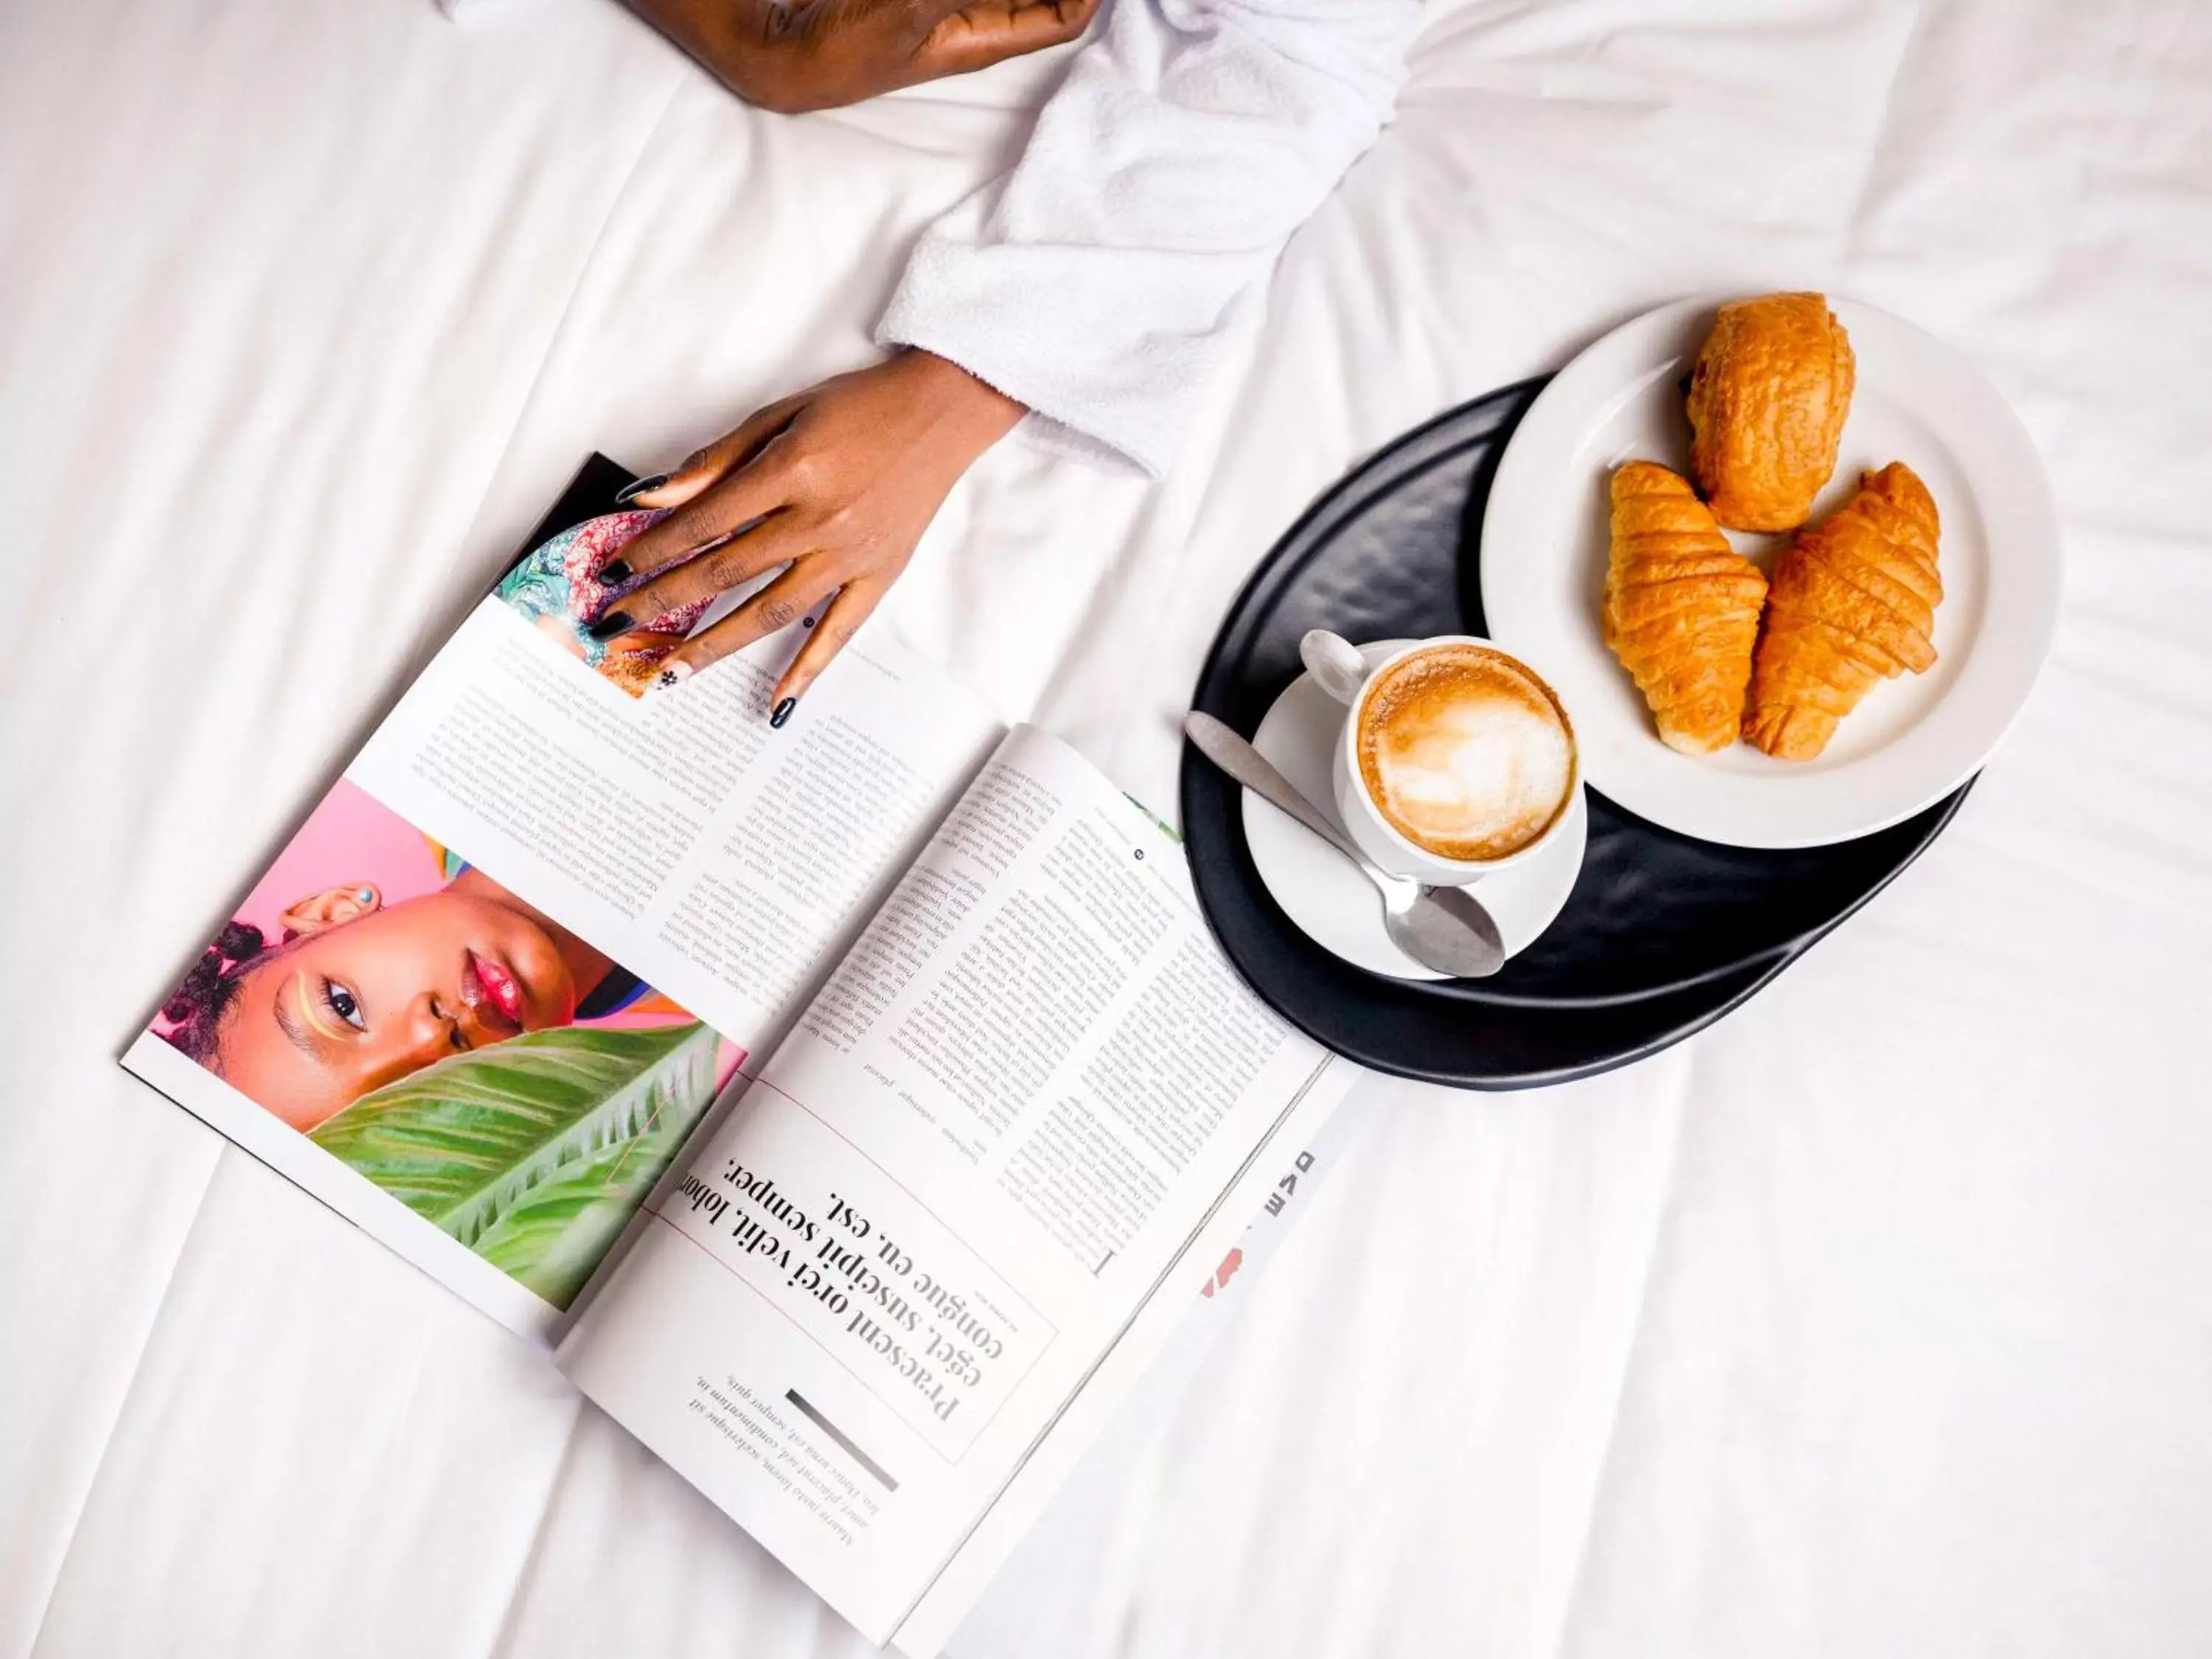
1913 739
1335 906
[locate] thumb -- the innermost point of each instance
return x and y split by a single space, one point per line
987 32
703 468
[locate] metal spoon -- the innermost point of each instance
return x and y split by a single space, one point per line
1445 928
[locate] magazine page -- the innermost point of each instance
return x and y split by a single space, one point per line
1082 1464
1083 1511
500 975
1004 1125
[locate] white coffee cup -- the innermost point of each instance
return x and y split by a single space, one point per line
1338 669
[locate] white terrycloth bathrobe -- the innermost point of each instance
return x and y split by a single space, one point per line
1189 139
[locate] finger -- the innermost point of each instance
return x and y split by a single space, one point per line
645 640
829 636
991 31
715 493
779 604
775 542
730 506
703 467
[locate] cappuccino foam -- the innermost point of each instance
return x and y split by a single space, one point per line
1466 753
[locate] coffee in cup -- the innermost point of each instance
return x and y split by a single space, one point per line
1465 751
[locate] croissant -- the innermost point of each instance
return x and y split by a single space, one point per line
1767 402
1853 601
1680 608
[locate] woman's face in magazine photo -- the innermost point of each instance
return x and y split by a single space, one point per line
370 994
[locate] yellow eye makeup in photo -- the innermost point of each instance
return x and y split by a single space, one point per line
329 1006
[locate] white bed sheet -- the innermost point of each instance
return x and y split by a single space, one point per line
1876 1319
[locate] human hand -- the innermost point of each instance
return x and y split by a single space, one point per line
821 54
838 484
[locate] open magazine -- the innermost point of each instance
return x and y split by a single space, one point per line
854 1109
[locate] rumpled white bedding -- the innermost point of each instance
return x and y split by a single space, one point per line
1876 1320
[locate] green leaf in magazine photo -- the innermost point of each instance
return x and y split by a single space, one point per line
535 1152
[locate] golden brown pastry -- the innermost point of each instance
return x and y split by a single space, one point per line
1767 402
1853 601
1680 608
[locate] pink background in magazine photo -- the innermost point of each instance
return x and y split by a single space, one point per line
350 838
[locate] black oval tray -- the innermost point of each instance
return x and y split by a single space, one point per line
1663 934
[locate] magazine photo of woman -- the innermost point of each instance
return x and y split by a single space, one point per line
449 1041
365 982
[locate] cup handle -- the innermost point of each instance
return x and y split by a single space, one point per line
1335 664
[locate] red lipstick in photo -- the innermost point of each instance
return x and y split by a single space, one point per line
484 981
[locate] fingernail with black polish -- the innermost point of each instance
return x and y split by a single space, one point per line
630 492
782 713
614 571
615 623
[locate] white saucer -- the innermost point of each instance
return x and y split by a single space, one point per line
1334 905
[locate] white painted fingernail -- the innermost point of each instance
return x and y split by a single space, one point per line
673 673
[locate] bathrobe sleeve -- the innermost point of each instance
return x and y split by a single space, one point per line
1190 138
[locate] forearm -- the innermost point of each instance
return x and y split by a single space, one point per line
791 55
